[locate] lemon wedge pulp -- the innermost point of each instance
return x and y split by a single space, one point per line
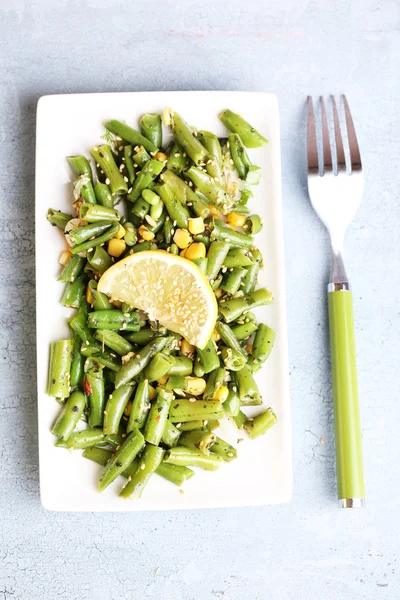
169 288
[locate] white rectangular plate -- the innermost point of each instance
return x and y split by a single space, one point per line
71 124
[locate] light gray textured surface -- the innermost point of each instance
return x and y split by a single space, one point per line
303 551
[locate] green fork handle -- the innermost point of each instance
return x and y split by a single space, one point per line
349 462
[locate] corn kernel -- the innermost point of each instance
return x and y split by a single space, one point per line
152 392
195 250
163 380
182 253
145 233
215 212
120 233
182 238
222 394
128 409
116 247
160 156
218 292
196 225
236 219
89 295
187 349
195 385
64 257
215 336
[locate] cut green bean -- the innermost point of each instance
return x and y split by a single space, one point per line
72 269
202 264
113 340
122 458
244 330
80 166
77 363
86 438
176 162
215 381
103 195
181 366
198 439
148 464
248 134
138 362
113 319
229 338
148 173
95 214
59 368
208 357
212 424
263 343
141 157
214 160
159 366
104 158
144 336
94 389
150 126
237 257
240 419
104 237
190 425
171 434
236 149
58 218
157 417
184 193
212 190
250 279
188 457
116 404
73 293
69 416
253 224
130 169
248 390
81 234
232 279
100 300
174 474
185 410
232 404
216 255
221 448
232 309
130 236
130 135
233 360
177 212
184 136
223 233
260 424
83 190
98 259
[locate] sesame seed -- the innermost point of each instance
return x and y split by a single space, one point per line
107 181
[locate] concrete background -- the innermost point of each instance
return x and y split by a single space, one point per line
295 47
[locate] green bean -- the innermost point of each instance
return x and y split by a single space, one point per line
59 368
130 236
116 404
184 136
140 406
72 269
116 439
157 417
216 255
208 357
184 193
168 228
151 197
130 135
253 224
215 381
228 337
148 173
254 175
81 234
211 424
113 340
77 363
104 237
237 149
99 260
80 166
232 279
187 457
232 309
176 161
176 211
144 336
237 257
141 360
150 126
159 366
249 136
98 455
198 439
106 359
212 190
250 279
177 383
113 319
216 283
122 458
244 330
174 474
202 264
58 218
141 156
78 324
262 345
249 394
170 435
185 410
232 404
190 425
260 424
103 195
140 208
198 368
181 366
148 464
83 189
174 249
94 213
213 147
100 300
233 360
104 157
240 419
159 220
129 163
87 438
246 193
221 448
223 233
69 416
242 209
73 293
93 387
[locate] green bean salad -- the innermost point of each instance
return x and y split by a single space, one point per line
135 396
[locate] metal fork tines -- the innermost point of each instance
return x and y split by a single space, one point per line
335 190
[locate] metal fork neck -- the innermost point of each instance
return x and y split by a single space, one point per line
338 279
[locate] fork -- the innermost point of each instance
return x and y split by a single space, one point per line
335 193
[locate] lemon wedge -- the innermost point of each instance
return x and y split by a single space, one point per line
169 288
